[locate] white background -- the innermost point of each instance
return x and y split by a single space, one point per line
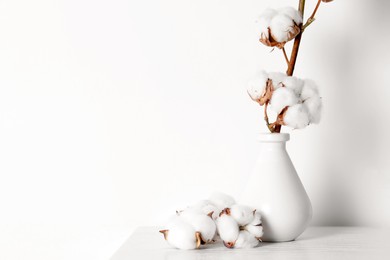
114 113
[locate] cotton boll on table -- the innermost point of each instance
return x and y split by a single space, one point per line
221 200
228 230
246 240
201 223
181 234
243 215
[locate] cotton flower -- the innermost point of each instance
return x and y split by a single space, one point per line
293 83
279 26
281 98
205 207
296 116
181 234
314 107
221 200
228 230
243 215
202 224
255 227
277 79
260 88
246 240
309 89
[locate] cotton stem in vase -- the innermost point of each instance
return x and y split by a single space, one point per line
295 102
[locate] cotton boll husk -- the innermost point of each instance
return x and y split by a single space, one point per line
221 200
246 240
294 84
309 89
296 116
256 86
227 228
280 27
291 12
241 214
277 78
181 234
314 107
201 223
281 98
257 231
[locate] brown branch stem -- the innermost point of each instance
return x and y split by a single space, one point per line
270 127
311 18
285 56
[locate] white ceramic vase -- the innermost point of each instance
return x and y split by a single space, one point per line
276 191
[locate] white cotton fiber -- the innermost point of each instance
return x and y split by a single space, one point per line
181 234
256 86
246 240
309 89
277 78
264 21
314 107
257 231
243 215
227 228
296 116
205 207
294 84
291 12
221 200
201 223
280 27
256 219
281 98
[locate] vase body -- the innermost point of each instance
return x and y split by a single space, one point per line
275 190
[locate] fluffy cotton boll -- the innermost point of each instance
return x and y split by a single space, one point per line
309 89
201 223
181 234
277 78
294 84
227 228
211 209
256 219
264 21
257 231
291 12
256 86
281 98
241 214
221 200
246 240
314 107
296 116
281 27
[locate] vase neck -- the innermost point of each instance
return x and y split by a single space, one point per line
273 141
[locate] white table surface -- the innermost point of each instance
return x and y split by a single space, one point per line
334 243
